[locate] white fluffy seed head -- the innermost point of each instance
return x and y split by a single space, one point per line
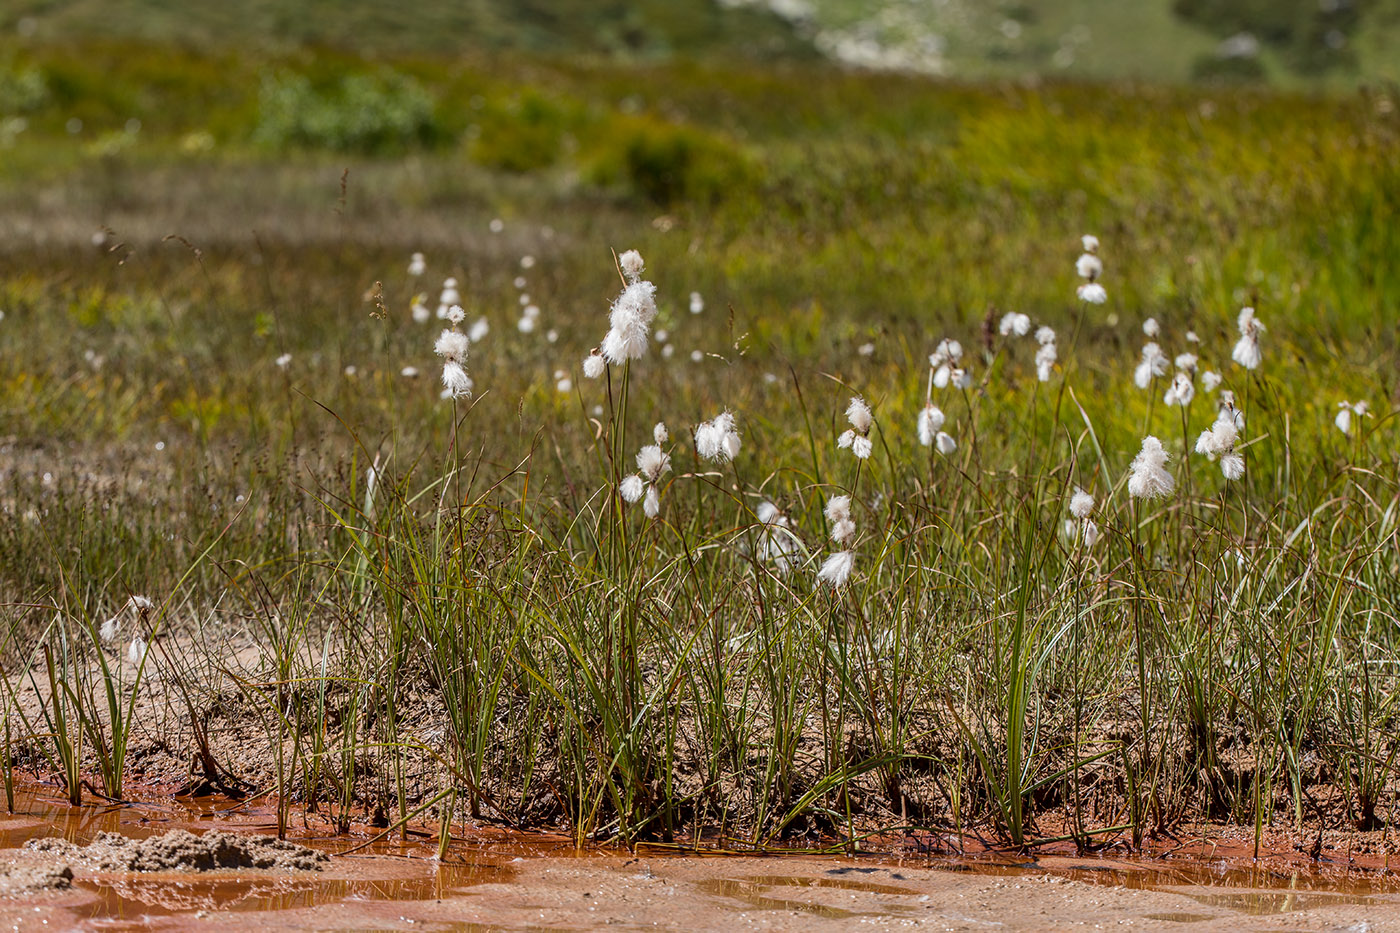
862 448
631 264
1045 359
1246 352
1045 335
945 443
652 461
1181 391
455 314
836 569
1210 380
1088 266
632 487
659 434
1232 465
1091 533
931 420
838 508
1081 503
1151 328
452 345
1091 243
860 416
455 381
593 365
843 531
1093 293
651 504
1015 323
1150 479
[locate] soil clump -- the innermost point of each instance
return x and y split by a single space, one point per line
182 850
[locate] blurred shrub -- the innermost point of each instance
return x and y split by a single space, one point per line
525 134
667 164
22 89
1227 68
359 113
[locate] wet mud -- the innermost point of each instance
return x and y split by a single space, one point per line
197 864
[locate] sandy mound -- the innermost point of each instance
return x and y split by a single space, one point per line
27 879
180 850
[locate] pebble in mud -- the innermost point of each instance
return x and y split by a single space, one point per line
181 850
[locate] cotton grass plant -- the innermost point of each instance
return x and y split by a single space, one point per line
1003 595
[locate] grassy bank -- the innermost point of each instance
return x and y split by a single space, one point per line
406 604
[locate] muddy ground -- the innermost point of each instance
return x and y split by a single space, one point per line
80 869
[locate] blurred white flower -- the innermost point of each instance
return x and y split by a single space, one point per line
931 420
1181 391
1346 410
1152 365
1247 349
1014 323
1093 293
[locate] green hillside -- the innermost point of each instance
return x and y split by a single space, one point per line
1280 41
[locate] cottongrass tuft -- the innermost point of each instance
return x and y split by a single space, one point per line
777 545
631 314
1046 356
1088 266
140 606
1092 293
943 361
1181 391
652 464
1080 527
1347 410
836 569
1246 351
452 346
718 439
1150 479
1219 442
593 365
931 420
448 297
945 443
1014 323
1152 365
857 439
